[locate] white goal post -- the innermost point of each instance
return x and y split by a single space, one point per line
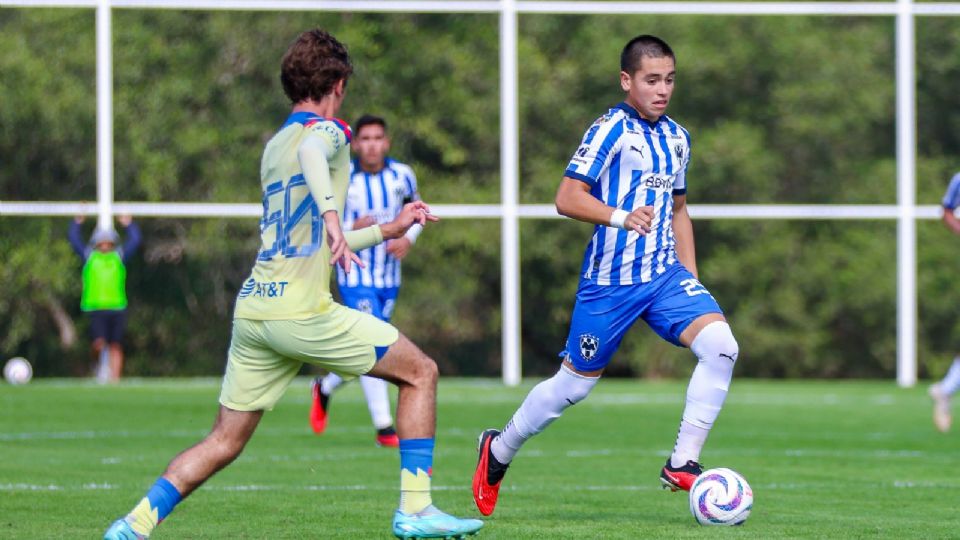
509 211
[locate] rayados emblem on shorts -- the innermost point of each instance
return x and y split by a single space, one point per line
589 344
365 306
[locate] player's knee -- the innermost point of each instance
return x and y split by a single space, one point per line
424 371
716 343
575 387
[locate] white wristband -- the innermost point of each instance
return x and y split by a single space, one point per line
618 217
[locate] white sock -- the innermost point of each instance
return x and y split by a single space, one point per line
951 383
544 404
378 401
330 383
717 352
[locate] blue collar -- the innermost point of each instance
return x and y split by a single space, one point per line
625 107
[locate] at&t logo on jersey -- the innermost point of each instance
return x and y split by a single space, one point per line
262 289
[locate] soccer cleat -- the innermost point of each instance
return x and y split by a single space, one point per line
432 523
388 437
681 477
318 410
489 474
941 408
121 530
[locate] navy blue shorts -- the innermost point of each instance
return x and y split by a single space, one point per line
604 313
108 325
376 302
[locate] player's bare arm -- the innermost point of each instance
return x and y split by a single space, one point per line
683 232
575 201
412 213
363 222
951 221
340 252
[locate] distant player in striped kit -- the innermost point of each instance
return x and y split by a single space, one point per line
379 187
942 391
628 177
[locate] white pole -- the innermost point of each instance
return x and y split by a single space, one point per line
104 117
509 225
906 196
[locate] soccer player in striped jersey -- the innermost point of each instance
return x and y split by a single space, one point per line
379 187
285 314
942 391
628 178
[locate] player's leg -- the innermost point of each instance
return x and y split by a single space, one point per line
378 403
187 471
941 393
363 299
601 316
353 343
375 390
415 375
255 379
116 327
99 351
686 314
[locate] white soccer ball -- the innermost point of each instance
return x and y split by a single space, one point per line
17 371
720 497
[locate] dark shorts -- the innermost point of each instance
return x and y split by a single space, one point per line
108 325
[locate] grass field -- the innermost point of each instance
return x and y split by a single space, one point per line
825 459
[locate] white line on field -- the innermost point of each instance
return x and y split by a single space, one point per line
793 486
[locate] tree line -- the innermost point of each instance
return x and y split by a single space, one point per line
781 110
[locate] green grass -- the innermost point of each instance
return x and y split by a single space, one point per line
825 459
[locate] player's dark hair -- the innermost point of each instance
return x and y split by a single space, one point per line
369 120
312 66
640 46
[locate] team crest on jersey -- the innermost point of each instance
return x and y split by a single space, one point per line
365 306
589 344
678 150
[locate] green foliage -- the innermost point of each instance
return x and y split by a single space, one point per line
781 110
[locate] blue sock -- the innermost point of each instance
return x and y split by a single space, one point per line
154 507
163 496
416 468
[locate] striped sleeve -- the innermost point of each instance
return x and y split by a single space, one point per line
680 182
600 143
951 199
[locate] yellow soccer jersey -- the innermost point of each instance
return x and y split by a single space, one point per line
291 277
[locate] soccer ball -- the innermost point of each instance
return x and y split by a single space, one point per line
17 371
720 497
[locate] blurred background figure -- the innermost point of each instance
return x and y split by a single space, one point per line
104 295
379 187
943 390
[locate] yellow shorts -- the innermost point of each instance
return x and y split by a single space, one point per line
266 355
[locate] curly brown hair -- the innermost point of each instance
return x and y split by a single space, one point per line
312 66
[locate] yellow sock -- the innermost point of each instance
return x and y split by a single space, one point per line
414 491
143 518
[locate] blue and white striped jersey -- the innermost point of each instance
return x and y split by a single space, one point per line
951 199
630 162
382 196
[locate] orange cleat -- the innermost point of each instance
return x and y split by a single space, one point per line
488 476
388 437
318 410
681 477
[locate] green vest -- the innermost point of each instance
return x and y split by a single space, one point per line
104 282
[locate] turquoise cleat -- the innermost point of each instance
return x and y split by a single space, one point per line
432 523
121 530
